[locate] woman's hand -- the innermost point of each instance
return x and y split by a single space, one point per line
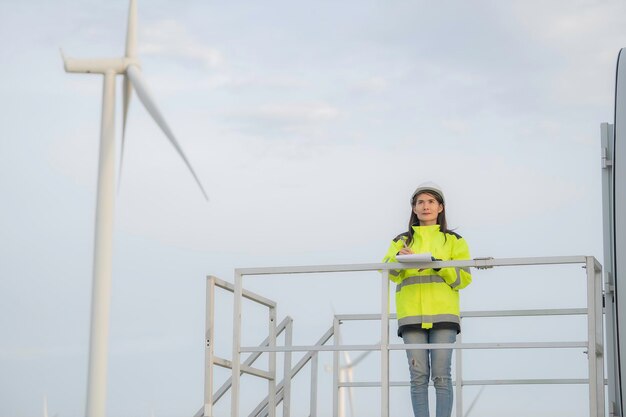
405 251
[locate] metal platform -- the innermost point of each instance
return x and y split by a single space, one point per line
279 387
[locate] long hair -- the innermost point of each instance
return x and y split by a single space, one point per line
441 217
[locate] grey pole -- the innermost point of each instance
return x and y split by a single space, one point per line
595 348
271 383
458 387
336 365
607 151
236 360
314 370
209 347
287 371
384 346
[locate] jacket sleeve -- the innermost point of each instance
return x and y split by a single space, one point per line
458 278
394 274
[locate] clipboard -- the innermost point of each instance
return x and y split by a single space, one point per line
415 257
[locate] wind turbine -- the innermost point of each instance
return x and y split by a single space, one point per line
45 406
346 372
129 67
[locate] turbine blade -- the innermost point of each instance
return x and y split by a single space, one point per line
360 358
131 30
136 78
127 92
346 358
64 58
350 393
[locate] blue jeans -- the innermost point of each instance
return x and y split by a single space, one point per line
438 367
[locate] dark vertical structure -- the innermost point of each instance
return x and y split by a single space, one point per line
614 224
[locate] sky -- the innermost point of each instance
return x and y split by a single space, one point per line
309 125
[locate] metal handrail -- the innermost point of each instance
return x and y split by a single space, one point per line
594 342
310 356
210 359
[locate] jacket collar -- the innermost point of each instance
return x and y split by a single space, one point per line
425 230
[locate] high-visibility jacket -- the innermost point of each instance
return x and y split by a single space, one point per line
425 297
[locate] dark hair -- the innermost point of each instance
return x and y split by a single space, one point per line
441 217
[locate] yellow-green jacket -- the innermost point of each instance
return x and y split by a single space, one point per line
427 296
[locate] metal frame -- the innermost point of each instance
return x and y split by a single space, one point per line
459 381
283 389
593 344
608 225
211 359
616 250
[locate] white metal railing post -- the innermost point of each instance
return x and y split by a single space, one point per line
271 383
599 336
314 370
287 371
595 349
336 370
384 345
236 360
458 387
591 343
209 347
599 332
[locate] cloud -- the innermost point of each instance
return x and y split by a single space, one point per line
372 85
171 83
576 25
336 187
36 352
582 40
457 126
300 119
168 38
298 113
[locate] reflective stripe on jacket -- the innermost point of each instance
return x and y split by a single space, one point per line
428 296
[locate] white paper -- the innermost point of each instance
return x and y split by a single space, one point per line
415 257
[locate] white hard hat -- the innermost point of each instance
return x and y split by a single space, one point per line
428 186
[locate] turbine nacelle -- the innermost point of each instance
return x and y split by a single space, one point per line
117 65
98 66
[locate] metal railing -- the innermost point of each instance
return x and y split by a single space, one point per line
212 360
593 344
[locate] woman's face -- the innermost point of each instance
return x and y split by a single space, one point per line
427 208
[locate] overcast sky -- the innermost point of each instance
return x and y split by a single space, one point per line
309 124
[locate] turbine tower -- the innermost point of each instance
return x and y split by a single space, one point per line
346 373
129 67
45 406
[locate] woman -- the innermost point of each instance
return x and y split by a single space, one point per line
427 300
